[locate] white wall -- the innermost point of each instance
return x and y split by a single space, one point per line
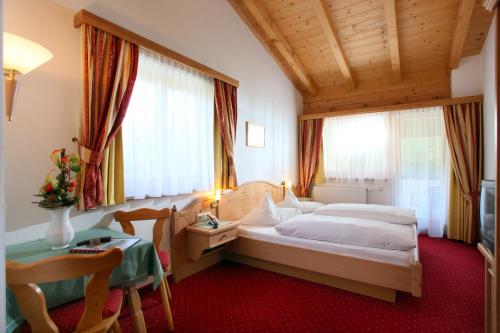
48 102
466 79
476 75
489 88
2 189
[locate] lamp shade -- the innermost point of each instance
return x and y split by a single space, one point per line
23 55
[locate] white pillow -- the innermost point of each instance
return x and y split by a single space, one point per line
388 214
350 231
290 201
265 214
287 213
310 206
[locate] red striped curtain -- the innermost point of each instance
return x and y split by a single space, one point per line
226 109
310 140
110 70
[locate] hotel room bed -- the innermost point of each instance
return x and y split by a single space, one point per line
269 234
375 272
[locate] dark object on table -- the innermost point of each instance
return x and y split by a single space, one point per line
95 241
213 221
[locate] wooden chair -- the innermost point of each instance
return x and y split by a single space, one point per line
161 216
97 312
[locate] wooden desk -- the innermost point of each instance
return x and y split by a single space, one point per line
139 262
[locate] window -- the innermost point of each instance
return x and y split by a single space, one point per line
406 148
168 131
423 170
356 147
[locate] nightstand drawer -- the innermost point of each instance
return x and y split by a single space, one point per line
221 238
203 241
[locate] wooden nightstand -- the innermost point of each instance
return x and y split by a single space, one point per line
202 241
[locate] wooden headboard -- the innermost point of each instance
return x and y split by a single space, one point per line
236 204
233 206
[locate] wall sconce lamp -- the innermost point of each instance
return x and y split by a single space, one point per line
287 184
20 56
215 202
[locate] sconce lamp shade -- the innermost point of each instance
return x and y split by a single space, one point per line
22 55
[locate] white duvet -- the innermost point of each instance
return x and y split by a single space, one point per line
389 214
351 231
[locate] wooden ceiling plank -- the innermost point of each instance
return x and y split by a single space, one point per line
252 25
393 41
276 41
326 22
461 28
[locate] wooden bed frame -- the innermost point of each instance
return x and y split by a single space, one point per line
362 276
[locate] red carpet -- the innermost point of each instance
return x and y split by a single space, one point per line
235 298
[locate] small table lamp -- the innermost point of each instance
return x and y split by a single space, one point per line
20 56
215 202
287 184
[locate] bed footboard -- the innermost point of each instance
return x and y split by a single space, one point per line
366 272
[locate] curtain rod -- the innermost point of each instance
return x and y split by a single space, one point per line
85 17
393 107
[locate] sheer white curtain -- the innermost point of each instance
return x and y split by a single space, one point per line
168 130
423 167
407 149
355 147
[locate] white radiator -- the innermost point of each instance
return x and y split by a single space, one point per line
340 194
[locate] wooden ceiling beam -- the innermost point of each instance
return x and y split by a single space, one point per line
461 28
323 13
393 107
392 36
269 34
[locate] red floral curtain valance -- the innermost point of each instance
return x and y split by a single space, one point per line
109 73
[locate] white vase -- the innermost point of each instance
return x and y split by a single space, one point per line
60 232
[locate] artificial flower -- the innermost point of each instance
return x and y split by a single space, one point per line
54 156
58 189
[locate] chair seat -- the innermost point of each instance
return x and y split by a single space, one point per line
67 316
164 259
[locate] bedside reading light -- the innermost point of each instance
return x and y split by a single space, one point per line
287 184
20 56
215 202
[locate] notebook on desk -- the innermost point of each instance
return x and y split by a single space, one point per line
121 243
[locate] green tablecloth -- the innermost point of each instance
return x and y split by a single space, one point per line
139 262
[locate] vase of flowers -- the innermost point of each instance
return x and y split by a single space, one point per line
59 195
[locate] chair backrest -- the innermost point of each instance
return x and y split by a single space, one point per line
161 216
22 279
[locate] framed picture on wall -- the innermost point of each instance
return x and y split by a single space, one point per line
255 135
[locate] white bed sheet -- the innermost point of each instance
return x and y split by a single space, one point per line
269 234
